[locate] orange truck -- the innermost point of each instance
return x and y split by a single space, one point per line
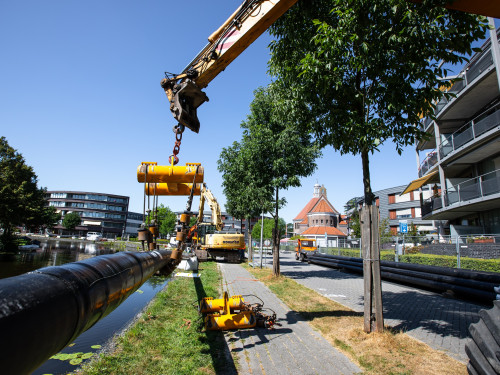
305 247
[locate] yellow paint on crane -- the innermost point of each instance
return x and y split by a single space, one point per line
150 172
171 189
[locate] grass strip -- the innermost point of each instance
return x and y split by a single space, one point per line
169 338
385 353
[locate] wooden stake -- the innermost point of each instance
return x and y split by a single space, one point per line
367 269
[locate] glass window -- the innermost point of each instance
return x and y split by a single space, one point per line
56 204
58 195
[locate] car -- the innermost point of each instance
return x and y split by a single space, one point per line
93 236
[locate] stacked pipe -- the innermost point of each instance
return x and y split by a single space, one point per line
472 284
41 312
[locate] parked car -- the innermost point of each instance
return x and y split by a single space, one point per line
93 236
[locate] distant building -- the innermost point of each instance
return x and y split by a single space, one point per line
398 208
100 212
320 220
134 221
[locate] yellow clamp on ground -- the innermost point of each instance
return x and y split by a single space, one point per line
226 319
150 172
171 189
210 305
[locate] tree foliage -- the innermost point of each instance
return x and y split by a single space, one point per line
71 220
271 156
268 228
166 220
367 70
21 201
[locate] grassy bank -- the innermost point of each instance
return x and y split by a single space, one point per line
169 337
385 353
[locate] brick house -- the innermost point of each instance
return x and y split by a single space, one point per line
319 220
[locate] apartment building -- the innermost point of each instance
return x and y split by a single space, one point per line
100 212
462 154
397 207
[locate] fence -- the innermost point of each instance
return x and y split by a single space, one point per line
475 252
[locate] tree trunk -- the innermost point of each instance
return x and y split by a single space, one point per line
276 240
369 218
249 246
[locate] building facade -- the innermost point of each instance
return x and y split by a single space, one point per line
134 222
320 220
462 153
102 213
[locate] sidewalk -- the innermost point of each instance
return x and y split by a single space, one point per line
440 322
293 348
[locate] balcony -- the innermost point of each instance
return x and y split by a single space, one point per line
475 190
469 132
429 162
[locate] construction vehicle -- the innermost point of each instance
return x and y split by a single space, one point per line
305 247
207 239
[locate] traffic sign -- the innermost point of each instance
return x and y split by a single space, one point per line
403 226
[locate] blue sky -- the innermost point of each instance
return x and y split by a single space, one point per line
80 98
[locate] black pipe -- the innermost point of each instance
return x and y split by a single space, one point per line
42 312
414 278
491 277
408 271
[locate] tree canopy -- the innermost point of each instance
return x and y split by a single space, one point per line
71 220
22 202
365 71
272 156
268 228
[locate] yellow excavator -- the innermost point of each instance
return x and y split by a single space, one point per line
208 239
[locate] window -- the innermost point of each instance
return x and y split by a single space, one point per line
56 204
58 195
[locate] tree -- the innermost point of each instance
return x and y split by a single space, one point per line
271 157
268 228
21 201
166 220
71 220
366 71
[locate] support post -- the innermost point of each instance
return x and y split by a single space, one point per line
373 308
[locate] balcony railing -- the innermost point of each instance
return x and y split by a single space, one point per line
469 132
481 186
478 64
429 161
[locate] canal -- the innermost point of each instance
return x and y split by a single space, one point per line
57 252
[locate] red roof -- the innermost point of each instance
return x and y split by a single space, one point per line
323 206
331 231
303 214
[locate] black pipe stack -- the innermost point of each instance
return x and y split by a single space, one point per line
41 312
471 284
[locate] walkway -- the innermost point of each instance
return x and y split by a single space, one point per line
441 322
293 348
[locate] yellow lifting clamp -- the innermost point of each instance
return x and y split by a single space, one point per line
249 315
150 172
171 189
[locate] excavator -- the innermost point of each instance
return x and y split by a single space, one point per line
209 244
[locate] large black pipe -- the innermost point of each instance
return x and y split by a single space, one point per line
478 290
41 312
489 277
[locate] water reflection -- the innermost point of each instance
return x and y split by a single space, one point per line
50 253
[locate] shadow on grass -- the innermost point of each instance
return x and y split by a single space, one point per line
219 351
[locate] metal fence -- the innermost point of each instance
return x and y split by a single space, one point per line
479 252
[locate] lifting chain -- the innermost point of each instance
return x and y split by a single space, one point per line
178 130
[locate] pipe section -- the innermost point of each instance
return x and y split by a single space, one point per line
41 312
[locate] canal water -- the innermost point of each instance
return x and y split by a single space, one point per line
54 253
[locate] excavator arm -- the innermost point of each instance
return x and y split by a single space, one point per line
241 29
207 195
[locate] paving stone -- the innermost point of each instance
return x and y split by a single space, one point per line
293 348
439 321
